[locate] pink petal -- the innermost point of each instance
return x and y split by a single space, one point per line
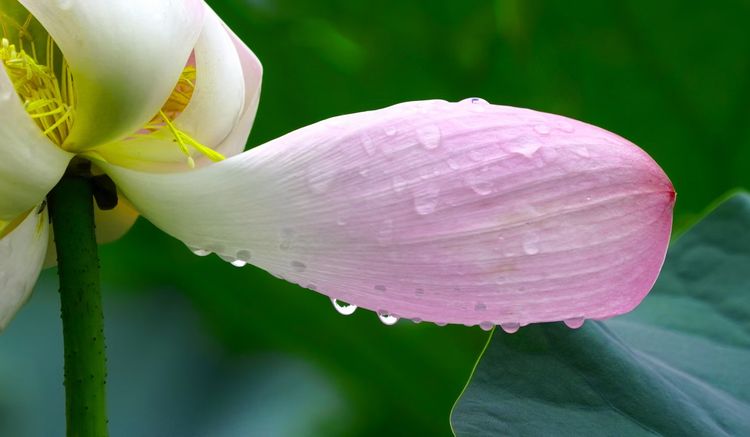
448 212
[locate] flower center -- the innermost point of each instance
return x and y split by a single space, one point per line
47 90
50 102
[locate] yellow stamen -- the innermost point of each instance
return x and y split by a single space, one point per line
183 140
175 104
48 91
37 84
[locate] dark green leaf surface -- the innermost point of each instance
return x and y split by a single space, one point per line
676 366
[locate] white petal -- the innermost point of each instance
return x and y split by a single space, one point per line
126 57
30 164
459 213
219 115
217 101
252 71
21 257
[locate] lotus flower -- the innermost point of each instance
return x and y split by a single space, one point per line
461 212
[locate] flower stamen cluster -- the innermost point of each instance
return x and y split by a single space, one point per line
49 101
49 96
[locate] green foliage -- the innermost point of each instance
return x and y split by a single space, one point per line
677 365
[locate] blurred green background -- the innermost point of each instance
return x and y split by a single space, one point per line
669 76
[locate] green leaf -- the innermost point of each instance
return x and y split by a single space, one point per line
677 365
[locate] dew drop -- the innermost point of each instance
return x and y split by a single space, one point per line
429 136
285 238
341 221
582 151
320 180
479 184
567 127
440 323
380 287
227 258
510 328
542 129
385 233
477 104
386 318
199 252
368 144
426 200
416 320
299 266
487 326
244 255
480 306
531 244
238 263
343 307
419 292
390 130
575 322
399 184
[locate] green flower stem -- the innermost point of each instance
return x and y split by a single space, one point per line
72 212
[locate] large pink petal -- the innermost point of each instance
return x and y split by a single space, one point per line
449 212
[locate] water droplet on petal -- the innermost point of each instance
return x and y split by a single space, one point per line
429 136
391 130
419 292
567 127
531 244
199 252
416 320
320 180
575 322
399 184
440 323
426 200
343 307
386 318
299 266
227 258
479 183
582 151
380 287
244 255
238 263
285 238
542 129
341 221
368 144
477 104
487 326
510 328
480 306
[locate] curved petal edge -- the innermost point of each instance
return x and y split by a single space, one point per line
21 257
